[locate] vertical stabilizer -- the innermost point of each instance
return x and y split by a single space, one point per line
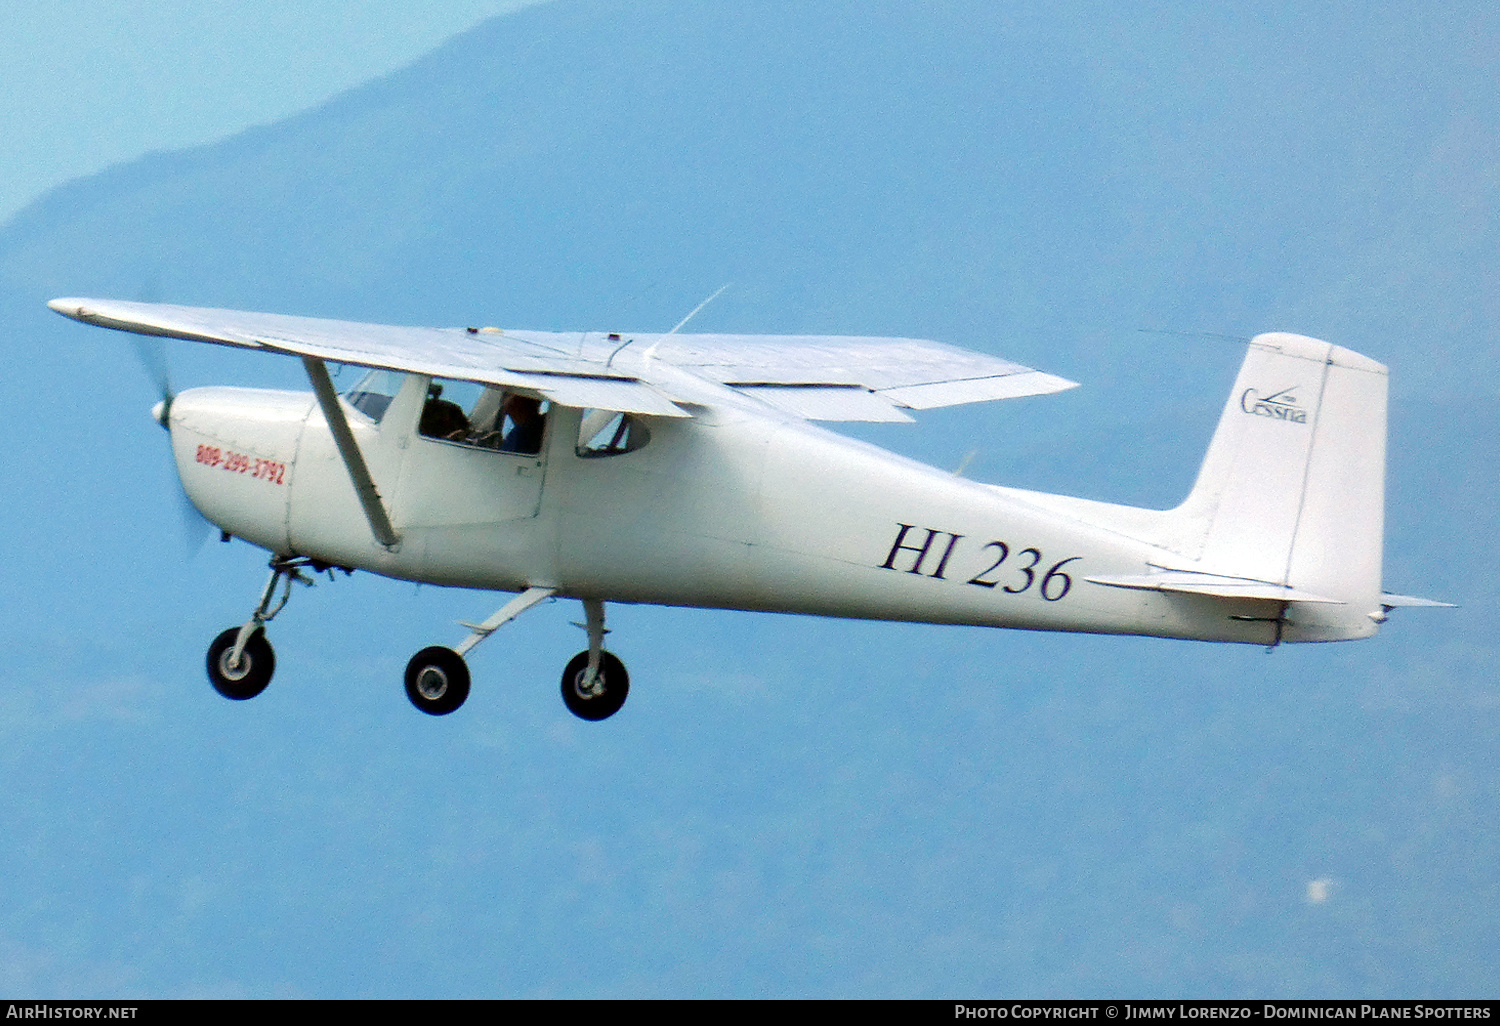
1293 488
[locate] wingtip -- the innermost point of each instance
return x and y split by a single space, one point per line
1035 382
1390 601
70 306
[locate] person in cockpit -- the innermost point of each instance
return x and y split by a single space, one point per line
521 419
442 418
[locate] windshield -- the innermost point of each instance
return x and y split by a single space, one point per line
373 393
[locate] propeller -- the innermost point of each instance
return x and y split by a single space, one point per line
153 357
154 361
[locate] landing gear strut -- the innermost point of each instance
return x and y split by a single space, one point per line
595 684
437 678
241 661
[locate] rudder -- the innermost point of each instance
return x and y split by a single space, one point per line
1292 490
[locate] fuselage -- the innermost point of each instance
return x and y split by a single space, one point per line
734 507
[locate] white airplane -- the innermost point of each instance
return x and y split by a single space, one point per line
684 470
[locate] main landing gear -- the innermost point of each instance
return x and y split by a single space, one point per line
437 680
594 685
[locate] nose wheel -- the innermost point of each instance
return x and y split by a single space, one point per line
247 676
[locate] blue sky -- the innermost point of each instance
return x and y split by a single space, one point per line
95 82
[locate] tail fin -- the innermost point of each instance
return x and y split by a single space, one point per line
1293 488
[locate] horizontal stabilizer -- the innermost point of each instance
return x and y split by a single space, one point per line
1411 601
1188 583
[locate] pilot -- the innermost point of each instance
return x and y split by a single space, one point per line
525 433
442 418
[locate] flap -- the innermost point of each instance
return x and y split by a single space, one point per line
828 402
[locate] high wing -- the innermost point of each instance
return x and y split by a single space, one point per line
818 377
849 377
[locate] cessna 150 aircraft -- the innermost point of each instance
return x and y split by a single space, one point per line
684 470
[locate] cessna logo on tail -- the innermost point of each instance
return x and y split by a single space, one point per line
1278 405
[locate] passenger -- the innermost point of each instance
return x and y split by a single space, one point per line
441 418
526 423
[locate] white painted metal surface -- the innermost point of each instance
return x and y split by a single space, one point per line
601 371
736 501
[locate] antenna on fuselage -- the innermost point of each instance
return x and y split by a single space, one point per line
674 330
1216 336
700 306
963 464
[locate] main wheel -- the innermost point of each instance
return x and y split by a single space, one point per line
437 680
611 685
248 677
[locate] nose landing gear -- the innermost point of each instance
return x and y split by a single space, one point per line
241 661
243 677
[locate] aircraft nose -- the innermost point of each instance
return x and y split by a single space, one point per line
159 413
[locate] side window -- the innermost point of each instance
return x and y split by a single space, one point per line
610 433
484 417
518 425
373 393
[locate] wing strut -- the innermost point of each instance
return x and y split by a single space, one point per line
354 461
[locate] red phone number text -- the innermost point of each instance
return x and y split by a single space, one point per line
239 463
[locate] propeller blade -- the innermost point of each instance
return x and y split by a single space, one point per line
196 528
153 359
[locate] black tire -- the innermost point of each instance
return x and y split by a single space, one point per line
250 677
437 680
613 678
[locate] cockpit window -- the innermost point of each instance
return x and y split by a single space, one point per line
373 394
485 417
610 433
